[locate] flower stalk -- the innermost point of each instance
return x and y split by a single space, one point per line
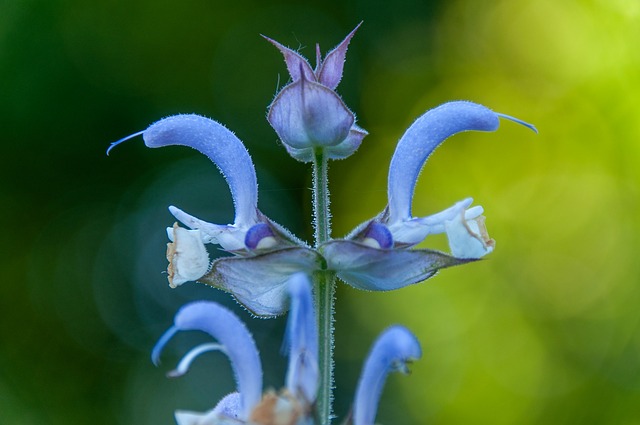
324 287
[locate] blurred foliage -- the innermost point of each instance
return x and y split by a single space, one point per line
546 330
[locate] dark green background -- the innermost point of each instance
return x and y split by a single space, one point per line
544 331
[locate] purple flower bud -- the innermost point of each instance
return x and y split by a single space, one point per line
308 114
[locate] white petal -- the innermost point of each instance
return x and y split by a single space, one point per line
188 258
469 238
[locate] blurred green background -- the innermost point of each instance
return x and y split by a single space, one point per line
546 330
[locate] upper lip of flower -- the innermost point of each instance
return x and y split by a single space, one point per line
228 153
237 343
422 138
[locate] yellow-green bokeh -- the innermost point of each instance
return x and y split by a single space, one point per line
546 329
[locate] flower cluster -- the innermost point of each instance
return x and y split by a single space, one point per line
268 268
293 405
309 115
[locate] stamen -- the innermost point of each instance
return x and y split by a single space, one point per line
260 236
187 359
516 120
377 235
124 139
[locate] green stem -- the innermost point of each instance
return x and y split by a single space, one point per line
324 289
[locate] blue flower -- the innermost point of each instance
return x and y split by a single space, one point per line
392 351
375 256
247 405
265 254
294 404
308 114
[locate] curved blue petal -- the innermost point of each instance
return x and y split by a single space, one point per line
392 350
302 338
421 139
238 344
222 147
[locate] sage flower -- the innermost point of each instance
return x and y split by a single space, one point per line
293 404
376 255
265 254
308 114
392 351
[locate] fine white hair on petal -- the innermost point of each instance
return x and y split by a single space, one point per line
392 350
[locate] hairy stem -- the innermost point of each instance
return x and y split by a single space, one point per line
324 288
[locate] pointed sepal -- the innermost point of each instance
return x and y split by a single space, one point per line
329 72
297 65
365 267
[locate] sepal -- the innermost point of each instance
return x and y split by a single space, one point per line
259 283
374 269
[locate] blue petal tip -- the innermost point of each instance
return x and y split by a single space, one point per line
124 139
